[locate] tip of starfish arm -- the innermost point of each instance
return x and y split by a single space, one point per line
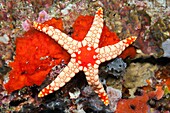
45 92
106 103
133 38
40 95
104 98
100 11
35 24
130 40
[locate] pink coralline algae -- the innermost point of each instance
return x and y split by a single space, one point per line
43 16
26 25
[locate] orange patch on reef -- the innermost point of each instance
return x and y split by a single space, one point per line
139 103
158 93
36 54
81 27
135 105
168 83
128 52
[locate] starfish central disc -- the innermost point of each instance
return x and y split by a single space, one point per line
86 56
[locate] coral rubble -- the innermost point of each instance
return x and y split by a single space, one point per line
144 84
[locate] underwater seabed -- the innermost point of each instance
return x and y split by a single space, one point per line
137 81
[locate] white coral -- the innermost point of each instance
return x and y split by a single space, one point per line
166 46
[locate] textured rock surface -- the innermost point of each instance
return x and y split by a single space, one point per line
166 46
137 74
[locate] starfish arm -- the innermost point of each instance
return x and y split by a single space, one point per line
112 51
93 35
64 40
65 76
93 80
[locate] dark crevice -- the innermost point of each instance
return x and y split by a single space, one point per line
132 107
159 61
17 102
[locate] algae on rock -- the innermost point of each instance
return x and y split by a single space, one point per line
137 74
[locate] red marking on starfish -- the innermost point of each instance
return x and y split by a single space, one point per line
100 12
85 55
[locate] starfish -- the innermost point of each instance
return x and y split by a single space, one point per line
85 55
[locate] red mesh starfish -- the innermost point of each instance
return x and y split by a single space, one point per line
85 55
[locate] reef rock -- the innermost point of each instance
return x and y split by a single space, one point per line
137 74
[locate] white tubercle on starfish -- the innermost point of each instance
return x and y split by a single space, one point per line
85 55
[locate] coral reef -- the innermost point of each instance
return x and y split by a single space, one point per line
6 53
115 68
163 76
145 80
147 20
114 96
4 39
139 103
165 46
